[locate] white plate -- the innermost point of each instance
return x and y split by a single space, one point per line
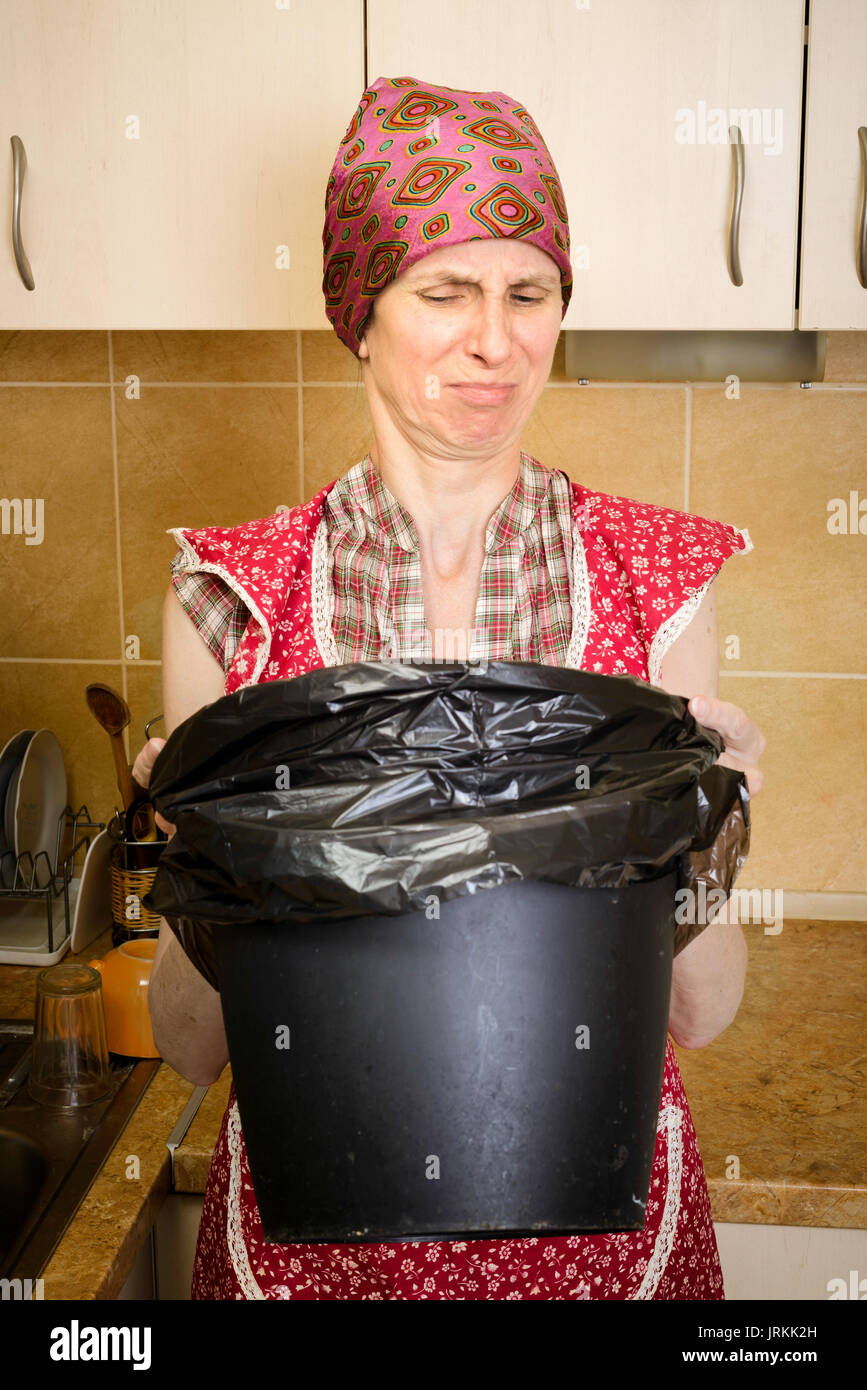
93 905
10 762
39 801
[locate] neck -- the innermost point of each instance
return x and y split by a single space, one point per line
450 501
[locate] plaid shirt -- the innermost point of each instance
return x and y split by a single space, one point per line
523 610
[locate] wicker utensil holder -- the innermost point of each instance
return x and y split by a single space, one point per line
130 918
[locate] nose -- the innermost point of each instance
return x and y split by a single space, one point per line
489 333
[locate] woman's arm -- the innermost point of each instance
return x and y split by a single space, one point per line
708 977
186 1014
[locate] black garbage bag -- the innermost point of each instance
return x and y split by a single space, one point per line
366 788
439 904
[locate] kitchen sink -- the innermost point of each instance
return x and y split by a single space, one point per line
49 1158
23 1170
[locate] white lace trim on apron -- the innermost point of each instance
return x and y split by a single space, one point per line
670 1118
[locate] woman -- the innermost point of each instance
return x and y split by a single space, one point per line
444 211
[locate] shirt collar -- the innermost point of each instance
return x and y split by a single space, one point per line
364 488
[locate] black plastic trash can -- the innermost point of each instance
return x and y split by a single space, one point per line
439 904
493 1071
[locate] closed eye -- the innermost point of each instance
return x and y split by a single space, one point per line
448 299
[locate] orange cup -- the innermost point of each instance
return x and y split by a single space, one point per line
125 976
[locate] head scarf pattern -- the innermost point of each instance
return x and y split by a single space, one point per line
421 167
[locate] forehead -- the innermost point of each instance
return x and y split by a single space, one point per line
487 256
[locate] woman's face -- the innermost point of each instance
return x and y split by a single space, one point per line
484 313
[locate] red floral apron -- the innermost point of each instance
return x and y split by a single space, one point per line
639 573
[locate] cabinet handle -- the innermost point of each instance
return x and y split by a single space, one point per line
734 258
19 168
862 216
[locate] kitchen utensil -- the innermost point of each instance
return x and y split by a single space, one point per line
134 820
139 854
112 714
125 975
70 1065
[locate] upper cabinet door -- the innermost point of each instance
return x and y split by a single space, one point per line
832 293
177 157
636 102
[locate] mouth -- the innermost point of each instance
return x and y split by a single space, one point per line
483 395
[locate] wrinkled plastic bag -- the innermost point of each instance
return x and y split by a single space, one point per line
368 787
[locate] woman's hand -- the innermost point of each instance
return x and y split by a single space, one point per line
708 975
141 771
744 740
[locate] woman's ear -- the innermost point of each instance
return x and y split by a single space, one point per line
363 349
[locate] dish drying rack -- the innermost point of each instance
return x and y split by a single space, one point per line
25 880
25 885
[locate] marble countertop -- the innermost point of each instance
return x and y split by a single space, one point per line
778 1101
782 1090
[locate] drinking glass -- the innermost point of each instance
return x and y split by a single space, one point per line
70 1065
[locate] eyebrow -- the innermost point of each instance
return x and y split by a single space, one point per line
455 277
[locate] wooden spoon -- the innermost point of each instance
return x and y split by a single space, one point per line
111 712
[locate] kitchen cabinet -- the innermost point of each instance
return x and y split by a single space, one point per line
792 1263
635 102
759 1261
163 1266
177 157
175 1233
835 168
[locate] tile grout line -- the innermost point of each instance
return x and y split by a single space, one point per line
687 447
153 661
78 660
818 387
299 372
799 675
117 540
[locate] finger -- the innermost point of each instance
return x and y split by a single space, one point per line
145 759
755 780
740 733
754 776
164 825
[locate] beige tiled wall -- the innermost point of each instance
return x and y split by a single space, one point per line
125 434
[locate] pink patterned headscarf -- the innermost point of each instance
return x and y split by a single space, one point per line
422 167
